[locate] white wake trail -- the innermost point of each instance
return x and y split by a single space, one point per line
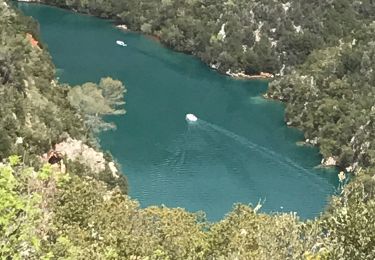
253 146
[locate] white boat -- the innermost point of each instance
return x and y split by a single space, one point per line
121 43
191 118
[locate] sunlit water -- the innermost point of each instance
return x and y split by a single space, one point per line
238 151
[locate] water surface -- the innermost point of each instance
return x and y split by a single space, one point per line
239 150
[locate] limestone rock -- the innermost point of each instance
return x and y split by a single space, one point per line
77 150
122 27
330 161
113 169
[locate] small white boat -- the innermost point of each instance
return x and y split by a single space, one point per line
121 43
191 118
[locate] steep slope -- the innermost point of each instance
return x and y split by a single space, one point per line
35 112
47 212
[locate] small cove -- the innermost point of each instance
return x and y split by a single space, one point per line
240 150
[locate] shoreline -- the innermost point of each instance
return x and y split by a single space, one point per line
123 27
235 75
264 76
242 75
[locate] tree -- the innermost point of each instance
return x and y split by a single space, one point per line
95 101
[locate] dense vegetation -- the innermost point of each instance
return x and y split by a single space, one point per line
37 112
237 35
48 213
331 98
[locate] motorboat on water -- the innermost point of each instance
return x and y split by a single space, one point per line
121 43
191 118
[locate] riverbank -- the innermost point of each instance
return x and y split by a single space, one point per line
73 216
235 75
243 75
118 23
163 82
238 75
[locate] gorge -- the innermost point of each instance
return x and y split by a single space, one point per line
242 152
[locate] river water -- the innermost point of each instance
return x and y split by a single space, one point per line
238 151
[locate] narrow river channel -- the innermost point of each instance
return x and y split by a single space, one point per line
239 150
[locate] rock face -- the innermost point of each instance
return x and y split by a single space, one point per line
122 27
330 161
313 141
352 168
222 35
243 75
77 150
113 169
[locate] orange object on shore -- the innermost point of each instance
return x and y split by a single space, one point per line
33 42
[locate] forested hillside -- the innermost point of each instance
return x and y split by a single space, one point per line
81 211
37 113
238 35
331 98
47 214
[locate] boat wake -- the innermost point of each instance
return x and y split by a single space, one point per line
203 144
251 145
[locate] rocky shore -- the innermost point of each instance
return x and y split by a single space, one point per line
243 75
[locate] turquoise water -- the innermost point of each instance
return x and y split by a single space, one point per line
238 151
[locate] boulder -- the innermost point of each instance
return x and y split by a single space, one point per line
330 161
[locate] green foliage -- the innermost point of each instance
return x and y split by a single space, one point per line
36 111
21 211
77 168
45 172
349 223
246 234
83 218
258 35
331 98
14 160
99 222
45 214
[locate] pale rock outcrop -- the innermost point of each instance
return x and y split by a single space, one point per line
122 27
62 167
282 70
113 169
330 161
352 168
349 168
257 34
77 150
214 66
313 141
243 75
222 35
19 140
286 6
298 28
